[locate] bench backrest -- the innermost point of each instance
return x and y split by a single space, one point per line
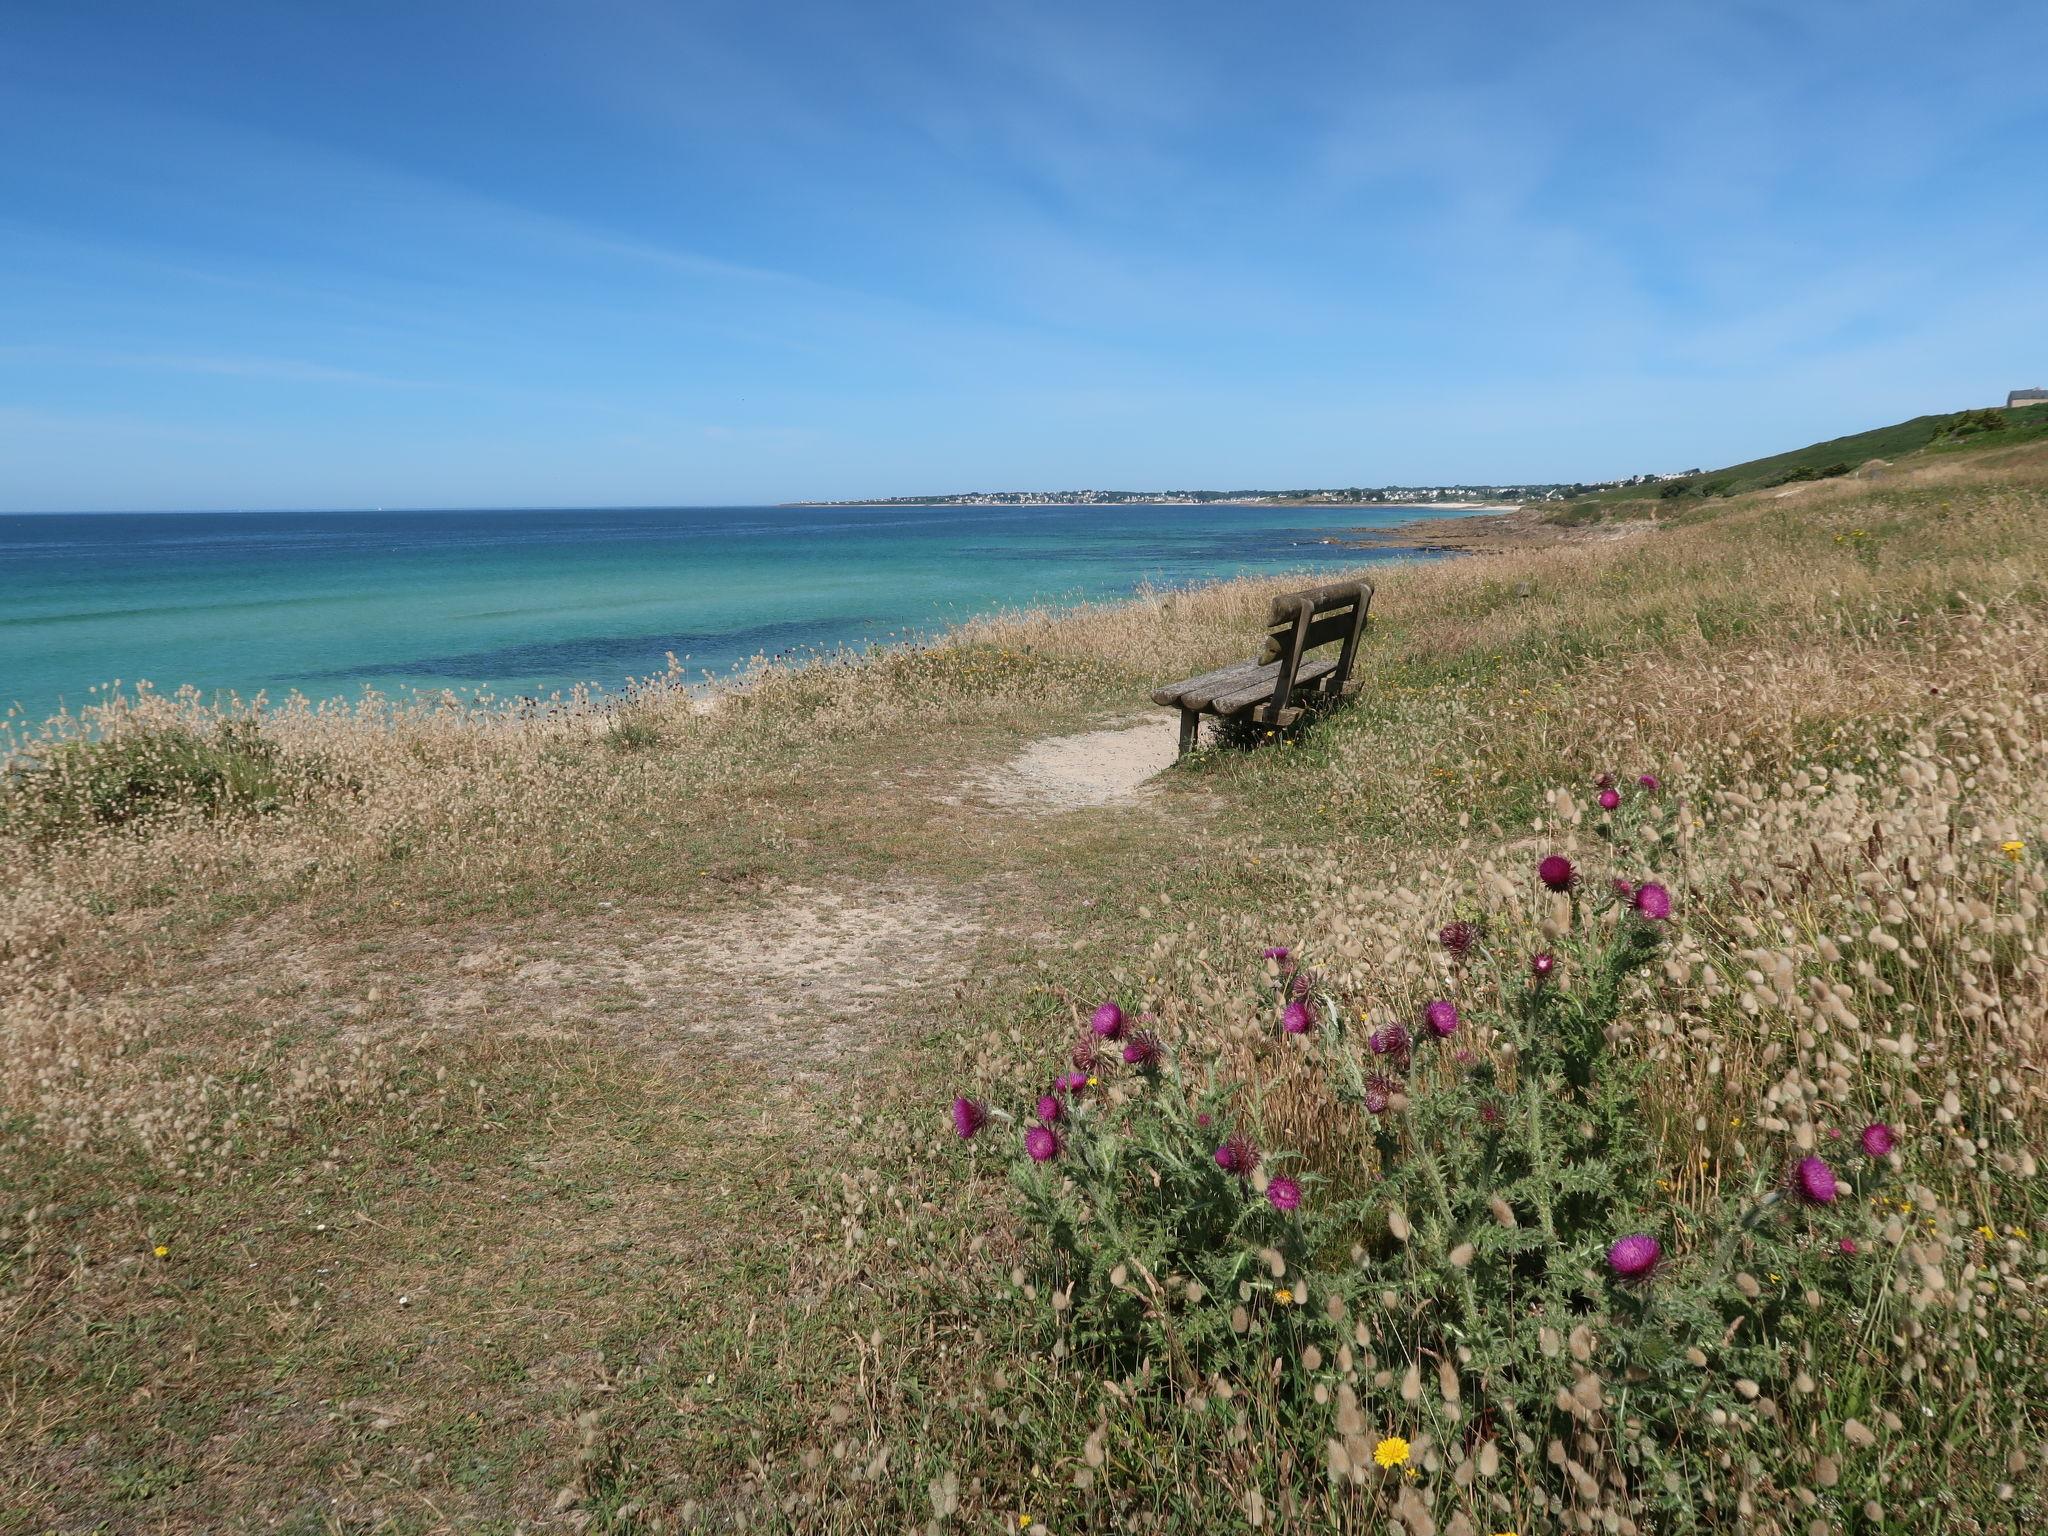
1300 622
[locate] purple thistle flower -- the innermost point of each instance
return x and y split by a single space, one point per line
1489 1113
1085 1057
1142 1050
1050 1108
969 1116
1847 1245
1379 1093
1557 872
1542 965
1814 1180
1295 1019
1609 799
1237 1155
1108 1021
1043 1143
1442 1018
1650 782
1464 1057
1283 1194
1458 938
1304 983
1634 1256
1623 891
1652 901
1203 1119
1277 951
1390 1041
1878 1139
1073 1082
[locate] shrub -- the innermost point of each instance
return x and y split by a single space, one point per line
1806 472
1969 423
1581 515
134 776
630 735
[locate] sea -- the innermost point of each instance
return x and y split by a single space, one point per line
528 604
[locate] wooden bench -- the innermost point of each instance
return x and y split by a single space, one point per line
1279 687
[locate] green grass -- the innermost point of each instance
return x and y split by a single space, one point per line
1957 432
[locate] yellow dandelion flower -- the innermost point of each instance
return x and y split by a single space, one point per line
2013 849
1409 1473
161 1251
1092 1081
1391 1452
1284 1297
1986 1233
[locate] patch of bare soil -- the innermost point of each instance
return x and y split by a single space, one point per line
796 980
1095 768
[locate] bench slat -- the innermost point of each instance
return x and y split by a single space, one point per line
1196 692
1250 678
1258 693
1326 630
1320 600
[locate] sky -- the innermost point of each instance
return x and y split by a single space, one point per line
617 252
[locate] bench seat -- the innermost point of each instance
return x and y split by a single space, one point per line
1232 690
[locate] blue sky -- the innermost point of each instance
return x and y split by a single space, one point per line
510 253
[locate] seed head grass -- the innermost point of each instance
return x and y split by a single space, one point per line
441 1253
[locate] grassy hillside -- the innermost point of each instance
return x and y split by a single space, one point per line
1960 431
415 1122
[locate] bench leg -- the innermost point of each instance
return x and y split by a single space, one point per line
1190 728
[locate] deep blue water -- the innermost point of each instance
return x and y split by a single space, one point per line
533 602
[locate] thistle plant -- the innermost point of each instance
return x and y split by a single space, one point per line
1510 1232
1512 1177
1157 1210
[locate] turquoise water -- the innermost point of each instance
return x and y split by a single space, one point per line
535 602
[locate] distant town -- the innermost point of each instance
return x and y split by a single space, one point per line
1344 496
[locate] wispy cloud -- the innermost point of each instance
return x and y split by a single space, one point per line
727 252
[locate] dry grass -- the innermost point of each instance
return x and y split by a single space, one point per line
672 1253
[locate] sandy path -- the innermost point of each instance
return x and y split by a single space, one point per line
1096 768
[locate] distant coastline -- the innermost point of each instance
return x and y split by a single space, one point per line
1446 497
1433 506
